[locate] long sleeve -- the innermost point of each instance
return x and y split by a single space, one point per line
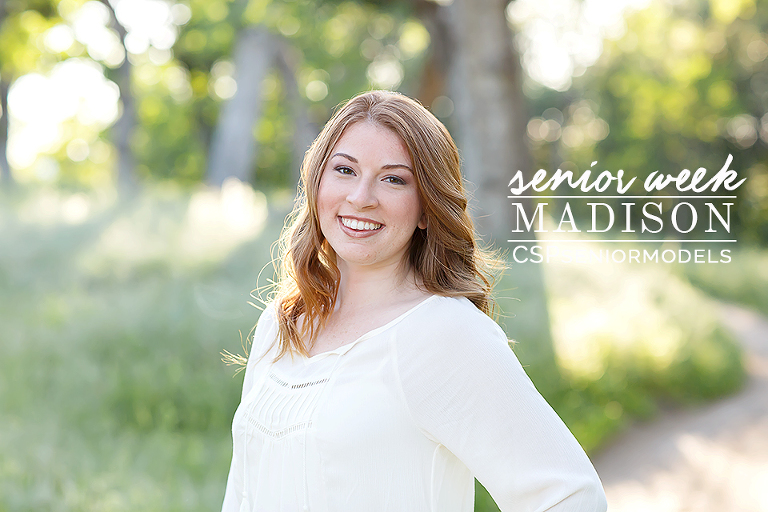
261 342
231 501
467 391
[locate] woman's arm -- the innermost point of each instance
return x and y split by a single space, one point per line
261 339
466 389
231 497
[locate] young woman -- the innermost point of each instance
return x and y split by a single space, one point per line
377 381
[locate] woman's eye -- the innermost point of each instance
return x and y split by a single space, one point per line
395 179
344 170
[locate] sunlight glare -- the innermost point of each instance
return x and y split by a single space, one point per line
558 39
59 38
218 220
90 26
148 22
77 88
38 105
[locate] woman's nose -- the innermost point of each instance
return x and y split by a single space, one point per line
363 195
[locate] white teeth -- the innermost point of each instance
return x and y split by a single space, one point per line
359 225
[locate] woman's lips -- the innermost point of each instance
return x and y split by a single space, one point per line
360 224
357 227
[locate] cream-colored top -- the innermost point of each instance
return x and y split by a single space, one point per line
401 420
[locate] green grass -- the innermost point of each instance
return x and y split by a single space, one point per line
112 317
112 392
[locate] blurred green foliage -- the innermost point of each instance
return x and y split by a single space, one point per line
331 45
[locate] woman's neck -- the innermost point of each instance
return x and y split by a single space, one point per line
372 287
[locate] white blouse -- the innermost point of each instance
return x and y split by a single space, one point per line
401 420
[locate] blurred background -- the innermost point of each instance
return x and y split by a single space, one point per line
149 153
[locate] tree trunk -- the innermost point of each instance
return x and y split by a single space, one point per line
486 85
484 79
124 127
432 82
233 146
304 130
6 178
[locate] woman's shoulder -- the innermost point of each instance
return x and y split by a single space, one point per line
444 318
447 336
456 304
269 312
449 309
267 317
265 330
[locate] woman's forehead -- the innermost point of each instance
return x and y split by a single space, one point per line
373 141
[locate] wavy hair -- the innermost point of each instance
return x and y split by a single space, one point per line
445 257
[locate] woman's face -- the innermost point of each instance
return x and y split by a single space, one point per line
368 202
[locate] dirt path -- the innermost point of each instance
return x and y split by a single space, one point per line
710 459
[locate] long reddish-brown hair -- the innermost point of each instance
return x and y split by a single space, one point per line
445 256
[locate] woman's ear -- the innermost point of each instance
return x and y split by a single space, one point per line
422 221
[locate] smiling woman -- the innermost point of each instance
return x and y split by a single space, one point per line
377 381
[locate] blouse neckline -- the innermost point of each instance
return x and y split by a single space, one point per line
373 332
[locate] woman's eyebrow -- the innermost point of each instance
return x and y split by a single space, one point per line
351 158
394 166
387 166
